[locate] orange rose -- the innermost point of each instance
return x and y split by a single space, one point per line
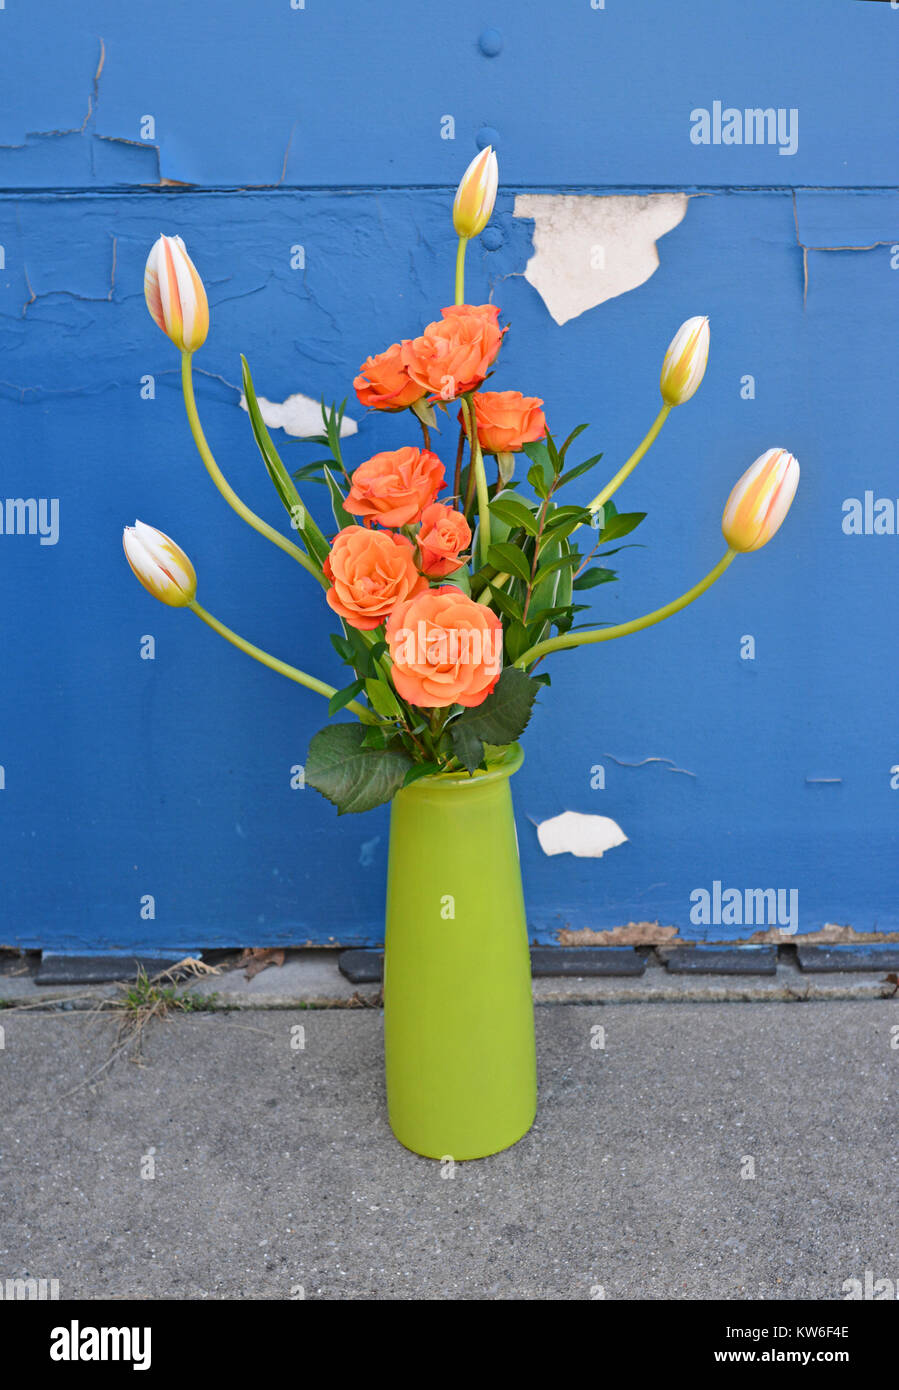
454 354
394 488
490 312
384 384
506 420
443 536
446 649
370 573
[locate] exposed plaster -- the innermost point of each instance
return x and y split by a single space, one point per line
586 837
298 415
588 249
653 934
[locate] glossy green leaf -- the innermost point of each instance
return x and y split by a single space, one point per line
352 776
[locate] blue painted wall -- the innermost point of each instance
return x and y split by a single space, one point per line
322 125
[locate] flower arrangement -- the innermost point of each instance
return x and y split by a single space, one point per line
450 592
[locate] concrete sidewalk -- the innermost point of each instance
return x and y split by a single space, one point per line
275 1168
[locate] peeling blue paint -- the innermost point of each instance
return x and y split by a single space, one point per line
172 777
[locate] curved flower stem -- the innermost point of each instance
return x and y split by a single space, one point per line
225 487
460 269
480 477
605 634
627 468
457 476
291 672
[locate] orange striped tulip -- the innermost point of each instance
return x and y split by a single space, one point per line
760 500
476 194
685 361
160 565
175 295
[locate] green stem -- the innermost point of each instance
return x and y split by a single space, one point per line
225 487
627 468
460 270
291 672
480 476
605 634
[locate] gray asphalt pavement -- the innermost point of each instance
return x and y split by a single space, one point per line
723 1150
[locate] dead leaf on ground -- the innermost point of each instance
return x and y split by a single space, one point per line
256 958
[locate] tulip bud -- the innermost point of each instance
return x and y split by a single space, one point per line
685 361
160 565
175 295
476 194
760 500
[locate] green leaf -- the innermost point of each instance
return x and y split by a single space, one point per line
514 512
301 518
501 718
343 697
468 748
420 770
352 776
343 648
382 699
590 578
341 516
579 429
508 606
571 558
579 469
621 524
378 736
516 640
537 481
509 559
459 578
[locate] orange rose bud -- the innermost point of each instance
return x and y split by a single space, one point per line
370 573
394 488
383 382
506 420
443 536
446 649
454 354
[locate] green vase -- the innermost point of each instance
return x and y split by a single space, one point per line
458 1011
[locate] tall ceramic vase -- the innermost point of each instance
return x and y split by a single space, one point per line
458 1011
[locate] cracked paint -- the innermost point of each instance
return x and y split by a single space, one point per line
668 764
805 247
589 249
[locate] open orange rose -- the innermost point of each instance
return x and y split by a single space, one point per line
443 536
370 573
446 649
454 354
506 420
393 488
383 382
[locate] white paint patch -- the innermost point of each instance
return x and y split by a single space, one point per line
589 249
587 837
299 415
